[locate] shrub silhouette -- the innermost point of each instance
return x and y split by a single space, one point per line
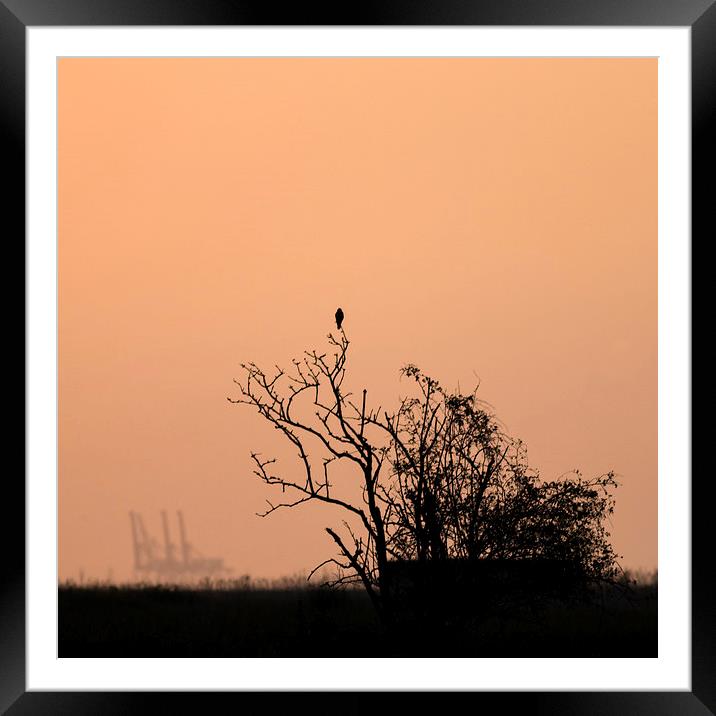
461 488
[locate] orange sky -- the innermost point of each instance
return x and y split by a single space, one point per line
478 217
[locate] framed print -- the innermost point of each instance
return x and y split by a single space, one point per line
359 352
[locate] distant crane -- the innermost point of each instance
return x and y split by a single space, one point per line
170 566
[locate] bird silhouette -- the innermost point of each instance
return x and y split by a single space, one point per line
339 318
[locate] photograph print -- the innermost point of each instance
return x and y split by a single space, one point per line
357 357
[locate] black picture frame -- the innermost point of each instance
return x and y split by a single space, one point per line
17 15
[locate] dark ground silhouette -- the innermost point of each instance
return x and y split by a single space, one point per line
171 621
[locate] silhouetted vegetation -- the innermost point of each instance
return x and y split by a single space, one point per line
461 488
450 512
293 619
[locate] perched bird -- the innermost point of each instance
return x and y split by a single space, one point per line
339 318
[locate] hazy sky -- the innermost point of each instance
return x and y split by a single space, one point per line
481 218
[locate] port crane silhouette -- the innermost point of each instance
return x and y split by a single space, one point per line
182 564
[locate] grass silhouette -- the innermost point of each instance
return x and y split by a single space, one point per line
292 618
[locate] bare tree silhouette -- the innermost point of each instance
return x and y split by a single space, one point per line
337 427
